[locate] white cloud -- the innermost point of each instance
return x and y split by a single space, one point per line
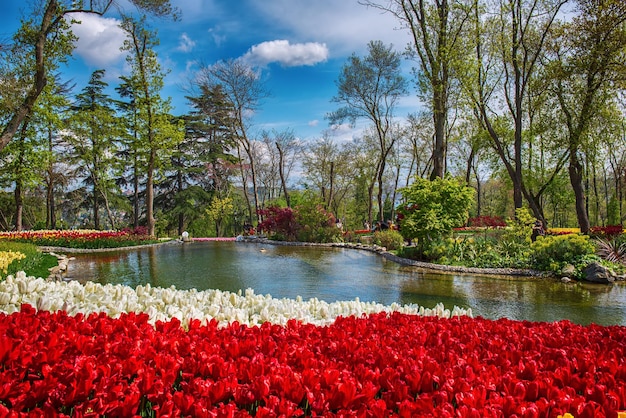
186 43
99 39
345 26
314 123
288 55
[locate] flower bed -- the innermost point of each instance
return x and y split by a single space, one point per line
82 238
374 366
94 350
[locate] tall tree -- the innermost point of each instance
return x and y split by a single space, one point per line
158 136
289 150
48 41
507 50
436 28
202 163
53 106
245 91
589 66
22 164
93 134
129 152
370 88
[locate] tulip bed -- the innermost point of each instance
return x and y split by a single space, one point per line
82 238
376 365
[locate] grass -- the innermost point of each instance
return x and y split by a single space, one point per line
35 263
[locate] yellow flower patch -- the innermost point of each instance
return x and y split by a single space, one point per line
7 257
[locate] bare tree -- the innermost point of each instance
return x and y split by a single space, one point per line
370 88
507 51
245 91
436 27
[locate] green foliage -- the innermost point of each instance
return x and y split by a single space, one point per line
551 253
35 264
520 229
612 250
316 224
479 251
432 208
390 239
306 222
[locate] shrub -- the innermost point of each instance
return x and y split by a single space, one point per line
612 250
433 208
551 253
307 222
390 239
279 223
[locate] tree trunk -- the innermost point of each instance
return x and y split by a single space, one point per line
332 184
439 120
40 80
179 186
107 207
281 171
95 208
19 206
136 194
576 176
51 218
150 195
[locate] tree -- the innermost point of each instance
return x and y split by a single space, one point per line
282 151
587 68
49 41
370 88
245 91
507 51
53 105
436 29
93 132
129 151
431 208
202 164
158 136
22 164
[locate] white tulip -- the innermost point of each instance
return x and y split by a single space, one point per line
163 304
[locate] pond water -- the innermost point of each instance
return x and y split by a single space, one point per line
332 274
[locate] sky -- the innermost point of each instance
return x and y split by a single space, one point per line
300 47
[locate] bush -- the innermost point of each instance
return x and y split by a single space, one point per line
307 222
551 253
390 239
433 208
612 250
279 223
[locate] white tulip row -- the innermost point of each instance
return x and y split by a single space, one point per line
164 304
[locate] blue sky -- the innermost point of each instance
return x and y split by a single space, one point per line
300 46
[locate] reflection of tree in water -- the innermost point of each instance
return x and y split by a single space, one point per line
342 274
519 297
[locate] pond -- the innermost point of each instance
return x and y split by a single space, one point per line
333 274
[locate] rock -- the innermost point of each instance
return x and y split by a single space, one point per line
565 279
568 270
597 273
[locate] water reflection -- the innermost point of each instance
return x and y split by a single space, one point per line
340 274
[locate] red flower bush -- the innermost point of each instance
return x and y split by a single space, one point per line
383 365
